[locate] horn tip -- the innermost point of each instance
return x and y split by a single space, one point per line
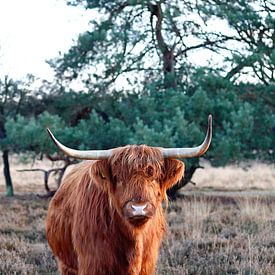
210 121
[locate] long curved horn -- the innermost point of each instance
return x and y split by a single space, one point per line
190 152
80 154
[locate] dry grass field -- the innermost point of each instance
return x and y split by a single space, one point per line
223 225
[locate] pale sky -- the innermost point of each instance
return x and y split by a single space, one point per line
32 31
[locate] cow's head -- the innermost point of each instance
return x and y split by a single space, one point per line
138 176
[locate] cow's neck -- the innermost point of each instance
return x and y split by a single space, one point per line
134 244
128 246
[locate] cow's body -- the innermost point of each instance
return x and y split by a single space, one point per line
107 217
89 234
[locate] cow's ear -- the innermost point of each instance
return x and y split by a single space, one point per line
100 172
173 172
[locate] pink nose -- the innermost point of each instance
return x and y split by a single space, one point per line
138 212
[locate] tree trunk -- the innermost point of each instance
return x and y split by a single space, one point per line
170 80
7 173
167 51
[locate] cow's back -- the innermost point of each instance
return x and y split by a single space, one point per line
60 216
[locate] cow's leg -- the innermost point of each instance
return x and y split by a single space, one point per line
66 270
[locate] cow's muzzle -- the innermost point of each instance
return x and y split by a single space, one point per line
138 213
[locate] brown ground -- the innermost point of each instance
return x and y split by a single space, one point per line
211 232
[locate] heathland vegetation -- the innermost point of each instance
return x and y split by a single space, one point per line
209 232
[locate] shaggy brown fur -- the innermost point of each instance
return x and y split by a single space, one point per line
85 227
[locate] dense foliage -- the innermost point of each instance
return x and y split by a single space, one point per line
139 83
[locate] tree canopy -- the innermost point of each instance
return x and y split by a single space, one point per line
140 82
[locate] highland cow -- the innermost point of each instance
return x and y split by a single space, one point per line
107 216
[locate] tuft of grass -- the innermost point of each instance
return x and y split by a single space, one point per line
245 176
214 237
23 246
